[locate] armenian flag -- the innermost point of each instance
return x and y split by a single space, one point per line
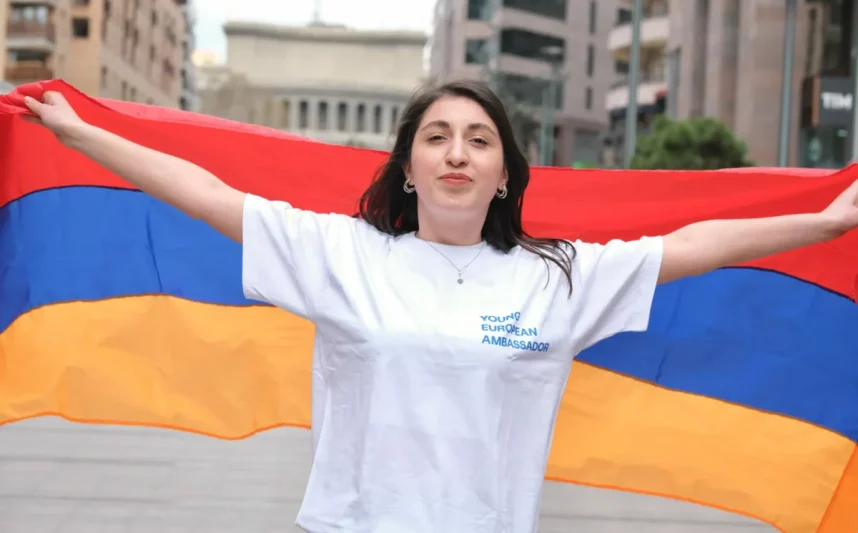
116 308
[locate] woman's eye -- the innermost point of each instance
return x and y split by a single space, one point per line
480 141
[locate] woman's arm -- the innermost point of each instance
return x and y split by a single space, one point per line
185 186
704 246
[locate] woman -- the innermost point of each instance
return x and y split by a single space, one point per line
444 333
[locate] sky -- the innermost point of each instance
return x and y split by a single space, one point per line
361 14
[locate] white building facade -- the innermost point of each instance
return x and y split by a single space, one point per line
329 83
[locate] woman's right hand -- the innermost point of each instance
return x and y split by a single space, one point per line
55 113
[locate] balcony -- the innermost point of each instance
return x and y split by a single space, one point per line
654 34
23 3
651 85
26 72
31 35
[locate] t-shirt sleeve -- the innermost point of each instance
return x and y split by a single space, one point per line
288 253
613 287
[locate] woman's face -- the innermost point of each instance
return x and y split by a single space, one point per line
457 162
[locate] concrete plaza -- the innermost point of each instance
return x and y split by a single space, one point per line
59 477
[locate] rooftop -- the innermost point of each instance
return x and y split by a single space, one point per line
323 32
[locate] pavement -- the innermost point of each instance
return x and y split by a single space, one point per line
60 477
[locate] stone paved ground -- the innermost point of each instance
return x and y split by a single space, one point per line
58 477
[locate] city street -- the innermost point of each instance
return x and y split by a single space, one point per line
59 477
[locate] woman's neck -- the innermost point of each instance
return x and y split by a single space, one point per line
454 232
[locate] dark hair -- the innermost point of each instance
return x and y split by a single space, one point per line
386 206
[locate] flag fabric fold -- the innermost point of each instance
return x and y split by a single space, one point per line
116 308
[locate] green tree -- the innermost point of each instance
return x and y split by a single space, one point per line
694 144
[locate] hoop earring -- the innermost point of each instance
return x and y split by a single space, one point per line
503 192
407 187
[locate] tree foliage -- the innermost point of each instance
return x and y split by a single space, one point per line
699 143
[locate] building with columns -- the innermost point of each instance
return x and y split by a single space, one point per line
329 83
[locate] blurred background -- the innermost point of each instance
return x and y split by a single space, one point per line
708 82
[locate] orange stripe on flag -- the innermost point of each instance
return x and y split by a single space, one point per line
842 515
621 433
160 361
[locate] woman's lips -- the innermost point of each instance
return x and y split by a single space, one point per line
455 179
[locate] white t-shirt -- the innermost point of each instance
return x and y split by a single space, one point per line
434 402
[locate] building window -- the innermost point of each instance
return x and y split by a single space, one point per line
836 38
284 114
479 9
588 146
103 77
376 120
621 67
361 118
342 116
531 45
303 115
555 9
592 17
591 60
267 113
531 91
394 118
624 16
28 56
812 33
29 14
80 28
323 116
475 51
588 98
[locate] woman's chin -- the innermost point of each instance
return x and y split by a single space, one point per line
464 205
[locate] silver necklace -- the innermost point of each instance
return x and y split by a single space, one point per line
460 271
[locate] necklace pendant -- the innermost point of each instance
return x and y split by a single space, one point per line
460 280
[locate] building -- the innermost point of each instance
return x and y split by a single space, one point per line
652 82
36 39
330 83
826 122
522 46
730 57
124 49
725 59
4 15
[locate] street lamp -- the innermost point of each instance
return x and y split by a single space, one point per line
853 134
634 70
554 55
786 83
